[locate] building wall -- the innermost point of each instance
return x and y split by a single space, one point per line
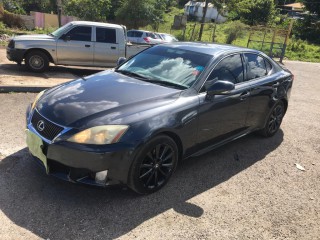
46 20
211 14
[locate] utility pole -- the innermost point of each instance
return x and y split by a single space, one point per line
59 9
203 19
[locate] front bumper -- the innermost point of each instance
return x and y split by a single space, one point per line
80 163
15 55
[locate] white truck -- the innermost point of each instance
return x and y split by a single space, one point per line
78 43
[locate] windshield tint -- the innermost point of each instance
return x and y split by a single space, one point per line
60 31
181 67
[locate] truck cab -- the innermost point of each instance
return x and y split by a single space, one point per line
78 43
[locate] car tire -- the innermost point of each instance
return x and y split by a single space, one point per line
37 61
153 165
274 120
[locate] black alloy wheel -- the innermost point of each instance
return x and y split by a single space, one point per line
154 165
274 120
37 61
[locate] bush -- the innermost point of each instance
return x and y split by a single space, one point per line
234 30
308 29
12 20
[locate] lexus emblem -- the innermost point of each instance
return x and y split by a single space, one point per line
40 125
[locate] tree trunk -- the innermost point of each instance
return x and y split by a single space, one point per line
203 19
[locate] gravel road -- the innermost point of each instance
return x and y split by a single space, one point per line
248 189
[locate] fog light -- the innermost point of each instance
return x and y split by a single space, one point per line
101 177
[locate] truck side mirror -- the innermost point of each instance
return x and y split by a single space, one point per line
121 60
65 37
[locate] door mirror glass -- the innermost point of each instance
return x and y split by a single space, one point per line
121 60
220 88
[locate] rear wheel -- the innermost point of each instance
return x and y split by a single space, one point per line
154 165
274 120
37 61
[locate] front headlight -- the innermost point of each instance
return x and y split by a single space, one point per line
100 135
36 99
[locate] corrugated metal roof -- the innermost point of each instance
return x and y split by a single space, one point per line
295 5
198 4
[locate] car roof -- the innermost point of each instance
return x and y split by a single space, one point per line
139 31
96 24
209 48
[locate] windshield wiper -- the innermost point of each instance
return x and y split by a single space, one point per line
132 74
166 83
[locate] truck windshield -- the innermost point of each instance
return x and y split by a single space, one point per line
60 31
169 65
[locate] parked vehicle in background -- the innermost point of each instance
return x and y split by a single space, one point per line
143 37
78 43
133 124
166 37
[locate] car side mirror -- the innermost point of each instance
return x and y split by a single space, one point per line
65 37
220 88
121 60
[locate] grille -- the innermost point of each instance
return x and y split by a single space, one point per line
50 130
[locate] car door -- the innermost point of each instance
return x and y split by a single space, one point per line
106 48
266 87
224 116
76 47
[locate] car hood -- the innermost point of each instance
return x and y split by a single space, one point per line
33 37
105 96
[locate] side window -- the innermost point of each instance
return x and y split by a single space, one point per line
130 34
139 34
80 34
256 66
106 35
229 69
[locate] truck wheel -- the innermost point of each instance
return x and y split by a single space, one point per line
37 61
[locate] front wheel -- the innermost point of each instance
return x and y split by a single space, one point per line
274 120
153 165
37 61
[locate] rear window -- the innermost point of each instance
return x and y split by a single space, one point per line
106 35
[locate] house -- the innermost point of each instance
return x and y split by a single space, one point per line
193 8
294 10
297 7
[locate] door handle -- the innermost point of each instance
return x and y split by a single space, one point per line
87 45
113 48
244 95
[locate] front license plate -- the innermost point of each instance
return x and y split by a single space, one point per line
35 144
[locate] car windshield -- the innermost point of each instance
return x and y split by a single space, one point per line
167 66
60 31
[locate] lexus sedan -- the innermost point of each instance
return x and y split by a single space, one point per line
132 125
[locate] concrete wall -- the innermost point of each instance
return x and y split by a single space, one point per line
46 20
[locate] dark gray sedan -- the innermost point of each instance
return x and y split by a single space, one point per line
133 124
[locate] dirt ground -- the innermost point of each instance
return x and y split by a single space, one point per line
260 194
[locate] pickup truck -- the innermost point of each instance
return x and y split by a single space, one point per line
78 43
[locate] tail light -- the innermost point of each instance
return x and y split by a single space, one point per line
146 39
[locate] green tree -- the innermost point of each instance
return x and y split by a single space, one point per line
92 10
252 12
312 6
139 13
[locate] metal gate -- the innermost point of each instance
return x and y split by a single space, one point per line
272 41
